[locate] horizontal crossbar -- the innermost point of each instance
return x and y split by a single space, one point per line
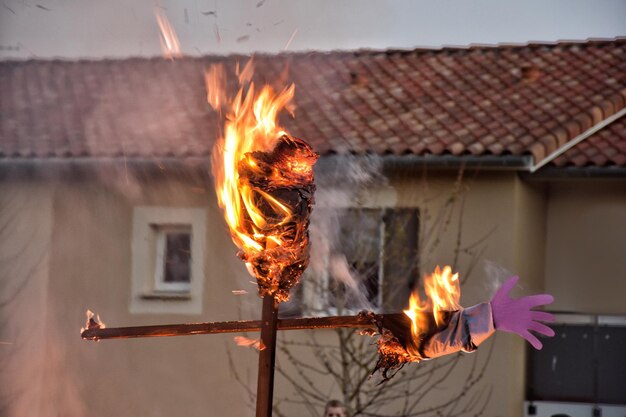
168 330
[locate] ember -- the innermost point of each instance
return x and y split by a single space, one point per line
281 184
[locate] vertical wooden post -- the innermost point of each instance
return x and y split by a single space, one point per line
267 356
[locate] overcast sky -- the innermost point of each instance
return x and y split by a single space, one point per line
119 28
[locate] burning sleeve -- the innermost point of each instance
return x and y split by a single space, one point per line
465 330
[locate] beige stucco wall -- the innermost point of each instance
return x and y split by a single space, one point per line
485 219
586 246
27 358
90 267
72 237
80 227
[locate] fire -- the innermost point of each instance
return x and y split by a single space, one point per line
263 178
247 342
443 293
93 321
169 40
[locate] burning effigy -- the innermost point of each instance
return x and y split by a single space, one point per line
264 182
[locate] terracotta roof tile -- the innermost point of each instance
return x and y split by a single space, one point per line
507 99
604 148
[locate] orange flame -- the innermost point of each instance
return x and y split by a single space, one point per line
250 126
247 342
256 219
93 321
169 40
443 293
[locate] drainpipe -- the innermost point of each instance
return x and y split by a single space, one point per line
488 162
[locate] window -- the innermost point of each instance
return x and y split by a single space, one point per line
168 260
173 259
372 263
584 362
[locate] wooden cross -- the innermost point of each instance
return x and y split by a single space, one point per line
268 326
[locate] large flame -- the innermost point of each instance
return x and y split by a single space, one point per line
443 292
250 126
259 221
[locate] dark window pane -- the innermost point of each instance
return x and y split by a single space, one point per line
612 365
581 363
400 257
177 257
369 237
563 370
360 237
360 242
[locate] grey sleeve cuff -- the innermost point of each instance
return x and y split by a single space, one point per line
465 330
479 323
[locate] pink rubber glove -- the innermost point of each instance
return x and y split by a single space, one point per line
515 315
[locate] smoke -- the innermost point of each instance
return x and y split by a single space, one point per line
330 281
495 275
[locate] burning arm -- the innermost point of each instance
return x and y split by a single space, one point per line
465 330
440 326
468 328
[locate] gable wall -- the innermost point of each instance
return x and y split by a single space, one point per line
586 246
520 228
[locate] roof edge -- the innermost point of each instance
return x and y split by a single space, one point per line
357 52
84 160
487 162
511 163
492 162
586 127
551 173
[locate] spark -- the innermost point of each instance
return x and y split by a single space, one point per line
216 29
293 35
169 40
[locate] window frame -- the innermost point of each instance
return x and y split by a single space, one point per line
147 295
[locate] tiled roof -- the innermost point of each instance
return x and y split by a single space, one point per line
481 100
605 148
